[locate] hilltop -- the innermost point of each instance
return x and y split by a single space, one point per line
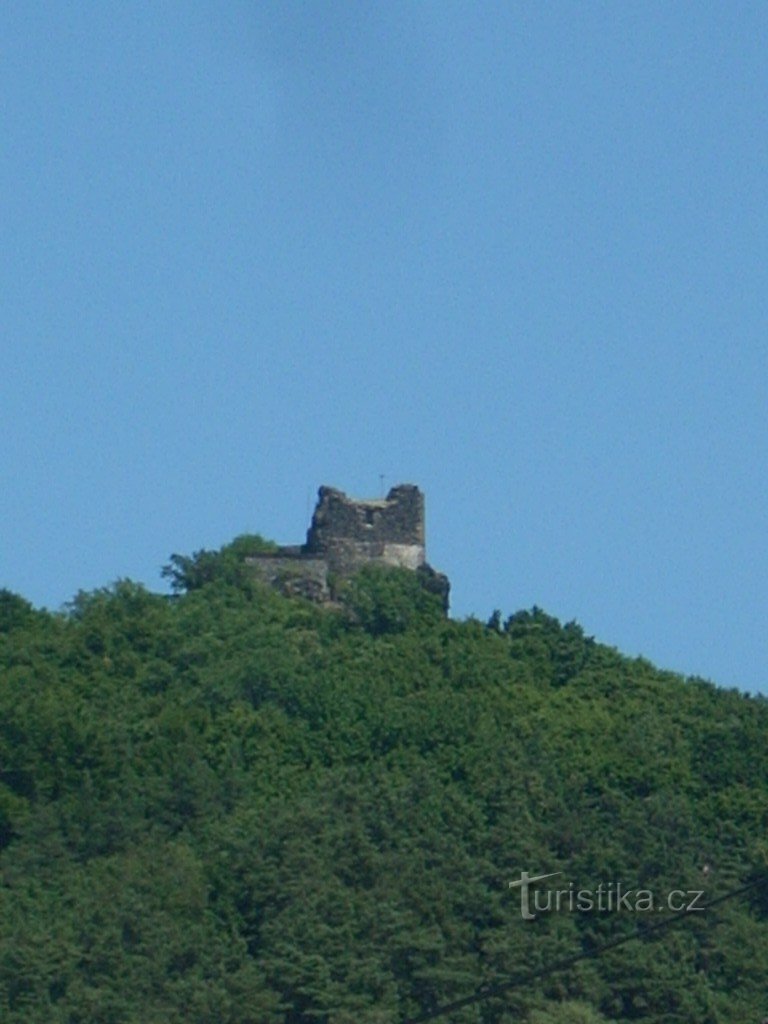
235 806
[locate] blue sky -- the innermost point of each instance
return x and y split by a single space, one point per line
514 253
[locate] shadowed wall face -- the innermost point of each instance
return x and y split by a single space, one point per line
398 518
351 533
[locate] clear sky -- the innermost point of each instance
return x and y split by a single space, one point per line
512 252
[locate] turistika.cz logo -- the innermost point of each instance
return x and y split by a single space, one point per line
607 897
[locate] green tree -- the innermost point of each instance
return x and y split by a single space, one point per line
190 572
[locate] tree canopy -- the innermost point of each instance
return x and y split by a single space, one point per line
229 805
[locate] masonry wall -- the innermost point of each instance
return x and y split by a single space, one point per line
293 573
351 533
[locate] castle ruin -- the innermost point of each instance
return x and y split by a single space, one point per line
344 536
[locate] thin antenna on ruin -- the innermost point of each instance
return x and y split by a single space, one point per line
381 484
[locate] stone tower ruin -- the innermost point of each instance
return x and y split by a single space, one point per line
347 534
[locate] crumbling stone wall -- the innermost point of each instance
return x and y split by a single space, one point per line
346 534
398 518
293 573
352 533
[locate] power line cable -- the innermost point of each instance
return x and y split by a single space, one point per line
561 965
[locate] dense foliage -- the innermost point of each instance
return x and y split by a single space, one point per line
231 807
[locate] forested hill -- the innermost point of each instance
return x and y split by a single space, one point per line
231 807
